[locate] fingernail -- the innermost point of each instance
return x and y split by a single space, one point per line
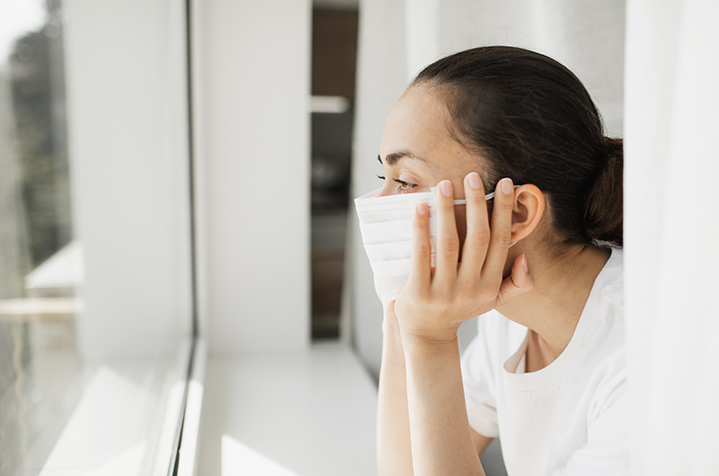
473 180
506 186
524 263
422 209
445 186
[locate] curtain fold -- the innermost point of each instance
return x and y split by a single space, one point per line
672 262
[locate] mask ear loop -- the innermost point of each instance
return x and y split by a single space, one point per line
487 197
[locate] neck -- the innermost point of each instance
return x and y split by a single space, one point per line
551 310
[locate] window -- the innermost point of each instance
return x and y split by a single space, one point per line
95 244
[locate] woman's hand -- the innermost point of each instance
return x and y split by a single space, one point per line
434 302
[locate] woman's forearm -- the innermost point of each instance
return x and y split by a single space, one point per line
440 432
394 456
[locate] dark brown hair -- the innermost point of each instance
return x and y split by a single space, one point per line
531 119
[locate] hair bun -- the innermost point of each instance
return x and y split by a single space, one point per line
604 206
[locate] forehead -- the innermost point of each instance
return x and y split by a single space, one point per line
420 123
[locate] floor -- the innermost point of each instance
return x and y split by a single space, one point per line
295 414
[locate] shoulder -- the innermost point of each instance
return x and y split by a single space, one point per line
611 280
604 342
605 308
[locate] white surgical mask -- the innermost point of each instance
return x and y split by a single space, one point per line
386 227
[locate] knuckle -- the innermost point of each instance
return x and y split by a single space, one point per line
422 250
466 292
503 239
476 196
442 301
420 222
479 239
446 208
482 295
450 245
517 283
505 203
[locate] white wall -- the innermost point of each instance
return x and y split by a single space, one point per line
252 90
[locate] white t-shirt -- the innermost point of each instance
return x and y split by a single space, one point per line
569 418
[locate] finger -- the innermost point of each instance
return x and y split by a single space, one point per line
421 248
501 230
446 239
518 282
478 234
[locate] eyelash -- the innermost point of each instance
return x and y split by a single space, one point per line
403 186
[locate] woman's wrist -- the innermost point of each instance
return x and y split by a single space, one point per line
390 322
419 344
394 331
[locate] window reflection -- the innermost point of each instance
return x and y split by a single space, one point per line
40 266
61 381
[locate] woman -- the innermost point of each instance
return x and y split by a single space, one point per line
539 262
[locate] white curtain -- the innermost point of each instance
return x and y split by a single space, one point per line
671 232
399 37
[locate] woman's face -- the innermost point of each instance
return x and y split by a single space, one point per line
417 150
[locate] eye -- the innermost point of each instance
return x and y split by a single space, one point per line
403 186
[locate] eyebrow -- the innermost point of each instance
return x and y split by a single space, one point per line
394 157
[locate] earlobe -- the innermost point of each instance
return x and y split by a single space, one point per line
529 204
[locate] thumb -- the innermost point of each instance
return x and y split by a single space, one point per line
517 283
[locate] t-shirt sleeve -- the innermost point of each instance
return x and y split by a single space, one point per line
479 379
606 452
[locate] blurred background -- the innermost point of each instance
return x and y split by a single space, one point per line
334 64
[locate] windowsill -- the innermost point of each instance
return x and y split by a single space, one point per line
291 414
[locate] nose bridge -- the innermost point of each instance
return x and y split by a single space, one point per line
385 191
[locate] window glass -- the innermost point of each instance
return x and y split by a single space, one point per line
95 276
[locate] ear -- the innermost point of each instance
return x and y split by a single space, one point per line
528 210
